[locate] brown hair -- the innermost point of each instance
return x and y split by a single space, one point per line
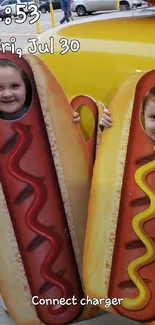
9 63
150 95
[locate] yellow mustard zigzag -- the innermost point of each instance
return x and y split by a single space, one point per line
143 297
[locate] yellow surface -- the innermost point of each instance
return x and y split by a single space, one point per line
118 5
38 27
37 22
52 14
87 122
110 50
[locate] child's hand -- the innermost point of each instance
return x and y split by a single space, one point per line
106 120
76 117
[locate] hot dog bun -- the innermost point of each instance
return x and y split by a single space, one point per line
103 211
70 155
75 197
14 286
69 152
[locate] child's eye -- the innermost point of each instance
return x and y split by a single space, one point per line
153 117
14 86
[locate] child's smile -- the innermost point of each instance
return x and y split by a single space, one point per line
12 90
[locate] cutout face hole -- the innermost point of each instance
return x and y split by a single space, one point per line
87 123
15 90
147 113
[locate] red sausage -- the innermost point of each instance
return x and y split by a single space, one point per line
36 209
128 246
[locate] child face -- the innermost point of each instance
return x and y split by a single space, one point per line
149 117
12 90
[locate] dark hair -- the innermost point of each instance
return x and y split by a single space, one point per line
9 63
149 95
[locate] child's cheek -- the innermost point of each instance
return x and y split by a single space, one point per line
148 127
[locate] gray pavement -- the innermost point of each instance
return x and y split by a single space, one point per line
104 319
27 29
44 21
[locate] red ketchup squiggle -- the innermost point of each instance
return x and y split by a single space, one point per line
40 197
